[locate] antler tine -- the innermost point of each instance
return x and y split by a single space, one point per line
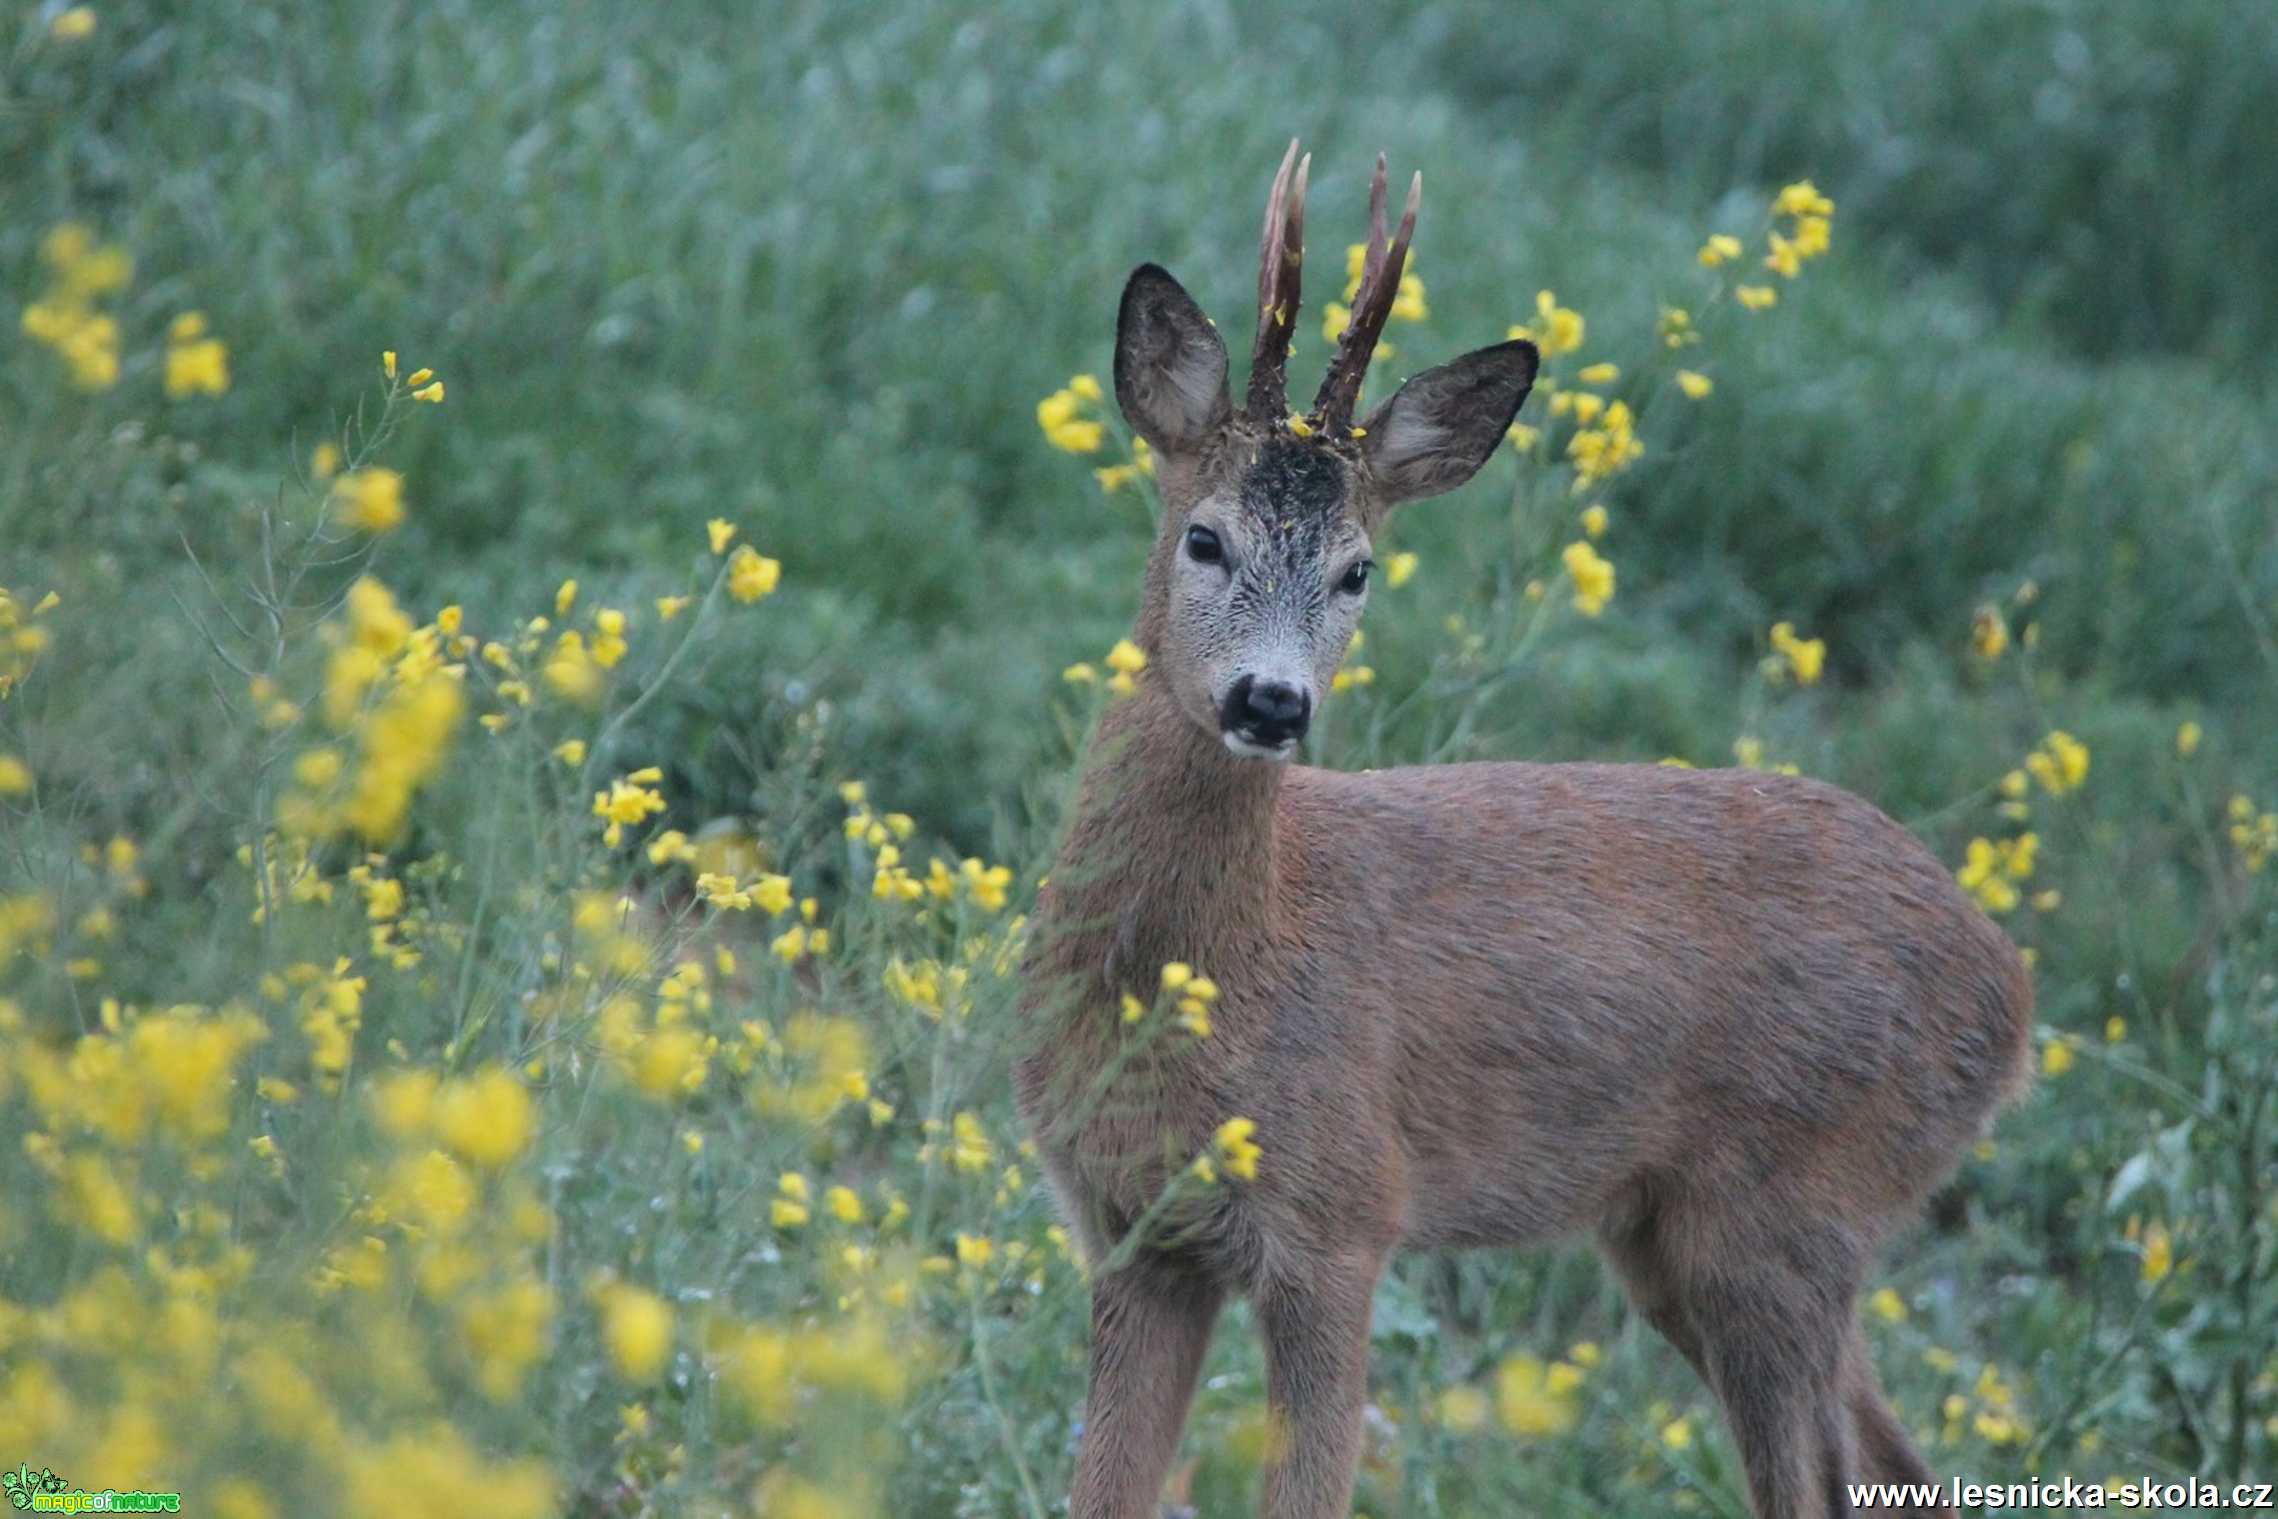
1381 268
1281 257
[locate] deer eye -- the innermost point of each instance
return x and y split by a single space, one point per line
1356 578
1203 547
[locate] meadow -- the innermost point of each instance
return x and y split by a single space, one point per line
554 570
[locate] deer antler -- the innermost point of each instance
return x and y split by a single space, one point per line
1281 258
1372 303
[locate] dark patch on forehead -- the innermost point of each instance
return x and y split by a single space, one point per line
1294 492
1288 476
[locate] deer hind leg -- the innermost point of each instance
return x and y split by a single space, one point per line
1151 1323
1316 1336
1763 1313
1885 1454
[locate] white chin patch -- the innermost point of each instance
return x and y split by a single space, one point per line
1246 749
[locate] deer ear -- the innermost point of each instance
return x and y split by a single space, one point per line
1170 366
1443 424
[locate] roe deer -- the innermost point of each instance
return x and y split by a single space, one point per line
1735 1024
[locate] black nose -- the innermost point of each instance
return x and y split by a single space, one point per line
1266 711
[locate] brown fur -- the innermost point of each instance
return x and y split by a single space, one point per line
1734 1025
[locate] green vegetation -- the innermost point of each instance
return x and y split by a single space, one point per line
366 1132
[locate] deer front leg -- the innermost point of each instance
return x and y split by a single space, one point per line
1316 1334
1151 1323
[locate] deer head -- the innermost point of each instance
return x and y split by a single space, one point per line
1261 569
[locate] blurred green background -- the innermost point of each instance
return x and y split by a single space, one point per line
810 267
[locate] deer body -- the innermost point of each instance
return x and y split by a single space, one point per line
1735 1025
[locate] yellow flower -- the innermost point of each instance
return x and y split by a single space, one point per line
2056 1058
627 801
2060 764
1677 1434
636 1330
1594 520
1598 374
1558 330
719 530
1086 386
1126 658
1887 1306
1523 438
1785 260
1721 248
370 499
2187 739
751 574
1593 578
196 364
975 1250
485 1118
2115 1029
1237 1152
1398 569
1804 656
669 607
1757 297
1065 428
844 1204
15 776
1081 673
1802 199
1989 632
1606 449
74 25
387 362
1694 384
1525 1401
431 393
2159 1253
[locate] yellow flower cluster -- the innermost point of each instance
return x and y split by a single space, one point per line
1607 449
2060 764
751 574
1556 329
1532 1399
393 702
1801 657
1991 870
1114 477
1989 1410
2253 833
1069 416
65 318
1192 995
197 362
1593 577
420 384
23 636
1124 662
370 500
630 801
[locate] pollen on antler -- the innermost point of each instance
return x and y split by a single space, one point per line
1281 256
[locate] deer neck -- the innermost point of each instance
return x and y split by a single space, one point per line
1171 853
